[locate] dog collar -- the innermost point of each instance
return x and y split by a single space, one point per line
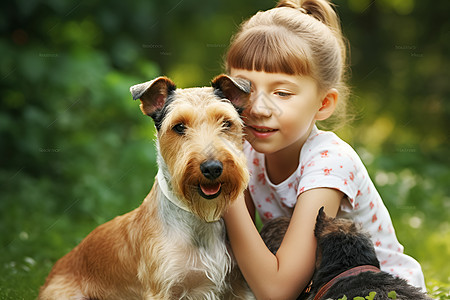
164 186
350 272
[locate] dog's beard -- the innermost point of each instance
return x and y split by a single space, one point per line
233 181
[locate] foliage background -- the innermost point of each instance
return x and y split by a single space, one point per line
75 151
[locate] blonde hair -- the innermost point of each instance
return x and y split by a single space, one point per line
296 38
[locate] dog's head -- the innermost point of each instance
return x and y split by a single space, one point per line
341 240
156 95
200 139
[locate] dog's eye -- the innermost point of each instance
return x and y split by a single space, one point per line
227 124
179 128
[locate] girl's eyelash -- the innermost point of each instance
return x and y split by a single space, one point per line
283 94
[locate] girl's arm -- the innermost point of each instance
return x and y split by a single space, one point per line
250 205
285 275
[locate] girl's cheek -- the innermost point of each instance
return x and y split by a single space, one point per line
246 111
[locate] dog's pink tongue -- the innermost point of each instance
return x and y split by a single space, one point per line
210 189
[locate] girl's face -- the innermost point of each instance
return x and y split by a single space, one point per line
282 110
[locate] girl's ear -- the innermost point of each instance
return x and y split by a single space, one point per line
329 102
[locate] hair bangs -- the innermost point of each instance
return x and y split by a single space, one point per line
269 50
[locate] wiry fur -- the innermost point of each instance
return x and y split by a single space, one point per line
168 248
342 245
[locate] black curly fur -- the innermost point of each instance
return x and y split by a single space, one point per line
340 251
382 283
341 245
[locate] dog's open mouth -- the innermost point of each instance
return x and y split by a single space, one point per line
210 190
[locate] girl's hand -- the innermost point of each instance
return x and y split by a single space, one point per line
285 275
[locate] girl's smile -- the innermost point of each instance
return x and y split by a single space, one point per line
261 132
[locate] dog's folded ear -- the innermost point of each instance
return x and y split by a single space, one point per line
320 220
153 94
237 90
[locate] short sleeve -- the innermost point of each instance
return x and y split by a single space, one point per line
329 164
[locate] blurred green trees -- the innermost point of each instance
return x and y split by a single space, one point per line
75 150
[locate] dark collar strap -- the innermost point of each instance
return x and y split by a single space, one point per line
351 272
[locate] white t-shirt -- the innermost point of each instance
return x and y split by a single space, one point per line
328 162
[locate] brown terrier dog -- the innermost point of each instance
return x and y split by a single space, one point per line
172 246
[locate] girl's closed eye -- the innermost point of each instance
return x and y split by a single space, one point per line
283 94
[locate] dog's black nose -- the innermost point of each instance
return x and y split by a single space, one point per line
211 169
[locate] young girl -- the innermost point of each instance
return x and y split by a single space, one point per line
294 57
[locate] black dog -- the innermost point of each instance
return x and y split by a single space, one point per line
346 263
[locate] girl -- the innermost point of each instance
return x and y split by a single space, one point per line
294 56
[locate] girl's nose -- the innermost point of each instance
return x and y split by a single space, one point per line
261 105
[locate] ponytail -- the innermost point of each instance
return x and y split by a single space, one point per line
320 9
